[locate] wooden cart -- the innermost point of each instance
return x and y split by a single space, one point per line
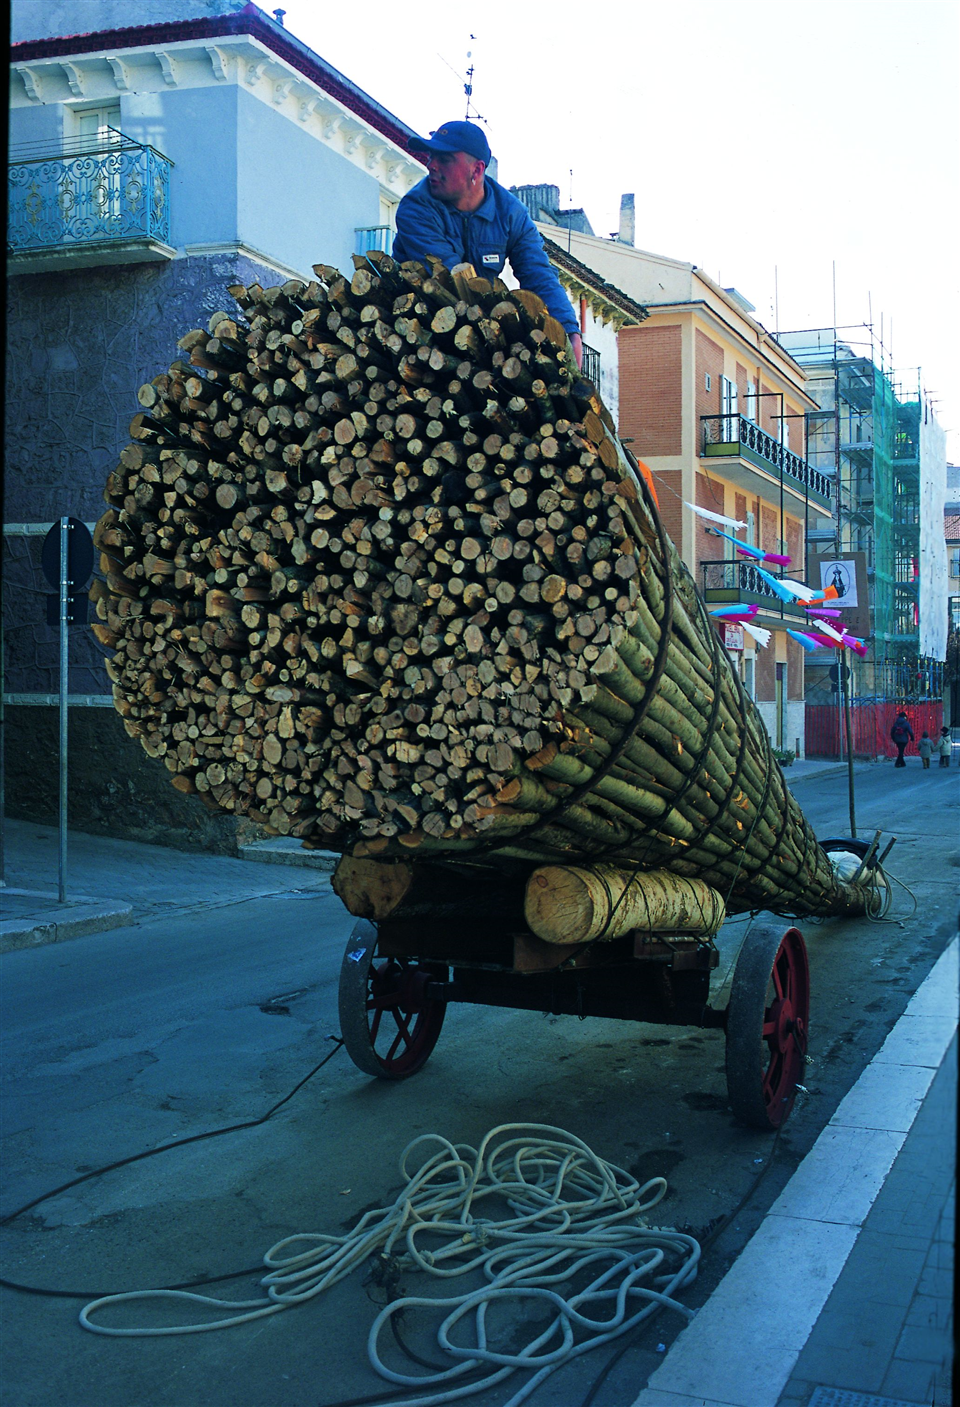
398 975
397 978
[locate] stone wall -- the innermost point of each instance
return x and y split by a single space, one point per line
114 788
79 345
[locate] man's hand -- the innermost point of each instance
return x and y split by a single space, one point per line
576 342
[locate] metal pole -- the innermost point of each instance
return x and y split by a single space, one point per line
3 774
845 686
64 675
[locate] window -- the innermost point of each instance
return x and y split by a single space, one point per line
728 409
97 127
388 212
955 561
749 677
752 402
91 199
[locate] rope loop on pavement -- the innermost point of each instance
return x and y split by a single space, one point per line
533 1214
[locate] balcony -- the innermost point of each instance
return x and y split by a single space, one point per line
108 204
734 580
373 237
591 364
736 437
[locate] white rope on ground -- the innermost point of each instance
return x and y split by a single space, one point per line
556 1214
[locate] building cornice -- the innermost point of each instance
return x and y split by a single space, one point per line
608 302
250 22
793 375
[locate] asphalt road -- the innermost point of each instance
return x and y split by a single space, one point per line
120 1041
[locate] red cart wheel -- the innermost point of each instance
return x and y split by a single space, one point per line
767 1026
388 1023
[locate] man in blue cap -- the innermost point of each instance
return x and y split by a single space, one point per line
462 216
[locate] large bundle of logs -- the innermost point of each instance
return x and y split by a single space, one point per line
379 575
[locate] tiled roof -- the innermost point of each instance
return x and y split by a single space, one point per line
559 256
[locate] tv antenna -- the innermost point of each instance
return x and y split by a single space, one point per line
468 85
467 82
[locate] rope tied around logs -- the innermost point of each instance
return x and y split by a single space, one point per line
694 773
659 665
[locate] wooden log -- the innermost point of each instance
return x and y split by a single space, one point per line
579 904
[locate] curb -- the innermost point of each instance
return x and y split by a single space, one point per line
743 1344
51 928
286 850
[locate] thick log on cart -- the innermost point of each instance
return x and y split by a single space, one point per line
379 574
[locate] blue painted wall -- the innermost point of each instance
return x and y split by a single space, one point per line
43 123
299 201
245 172
197 129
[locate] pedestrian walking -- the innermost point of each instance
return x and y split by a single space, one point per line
925 748
901 733
944 747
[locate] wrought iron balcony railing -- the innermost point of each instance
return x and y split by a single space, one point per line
591 364
374 237
736 580
731 434
117 192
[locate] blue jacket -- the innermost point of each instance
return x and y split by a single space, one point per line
499 230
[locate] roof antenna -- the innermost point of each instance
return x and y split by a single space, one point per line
468 88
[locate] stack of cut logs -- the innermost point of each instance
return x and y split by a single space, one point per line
379 576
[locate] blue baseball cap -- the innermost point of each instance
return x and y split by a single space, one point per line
456 136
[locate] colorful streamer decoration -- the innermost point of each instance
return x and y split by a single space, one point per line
755 553
716 517
733 612
809 642
745 550
795 591
648 480
759 633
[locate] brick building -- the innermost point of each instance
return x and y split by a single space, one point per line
717 409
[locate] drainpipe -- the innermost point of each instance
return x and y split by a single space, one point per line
583 316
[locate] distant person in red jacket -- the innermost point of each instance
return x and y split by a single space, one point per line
901 733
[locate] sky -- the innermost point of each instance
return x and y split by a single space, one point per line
796 152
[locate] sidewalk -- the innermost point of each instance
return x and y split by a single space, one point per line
843 1296
111 883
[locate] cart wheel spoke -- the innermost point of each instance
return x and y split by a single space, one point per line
403 1035
778 981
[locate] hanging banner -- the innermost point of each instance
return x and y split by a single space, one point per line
849 575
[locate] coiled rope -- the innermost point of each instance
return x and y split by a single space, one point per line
533 1210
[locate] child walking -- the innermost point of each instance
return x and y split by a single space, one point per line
944 747
925 748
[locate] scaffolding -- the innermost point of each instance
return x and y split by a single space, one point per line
906 532
852 438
